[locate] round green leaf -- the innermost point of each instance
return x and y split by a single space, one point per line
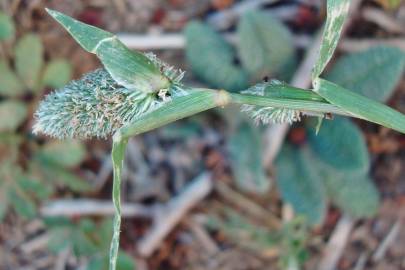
29 59
355 195
7 29
373 73
300 184
12 115
340 144
10 85
265 44
212 58
57 73
245 151
67 153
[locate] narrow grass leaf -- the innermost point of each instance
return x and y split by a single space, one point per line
360 106
337 11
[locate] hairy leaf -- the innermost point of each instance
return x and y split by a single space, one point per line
356 195
300 184
212 58
265 44
337 11
57 73
13 114
130 69
373 73
10 85
245 148
341 145
29 59
7 28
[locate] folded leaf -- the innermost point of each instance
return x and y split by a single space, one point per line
337 11
130 69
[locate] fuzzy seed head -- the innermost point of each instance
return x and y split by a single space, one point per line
94 106
269 115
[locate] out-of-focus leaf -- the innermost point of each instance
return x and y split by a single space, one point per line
12 115
356 195
129 68
22 204
62 176
300 184
373 73
337 11
10 86
57 73
67 153
389 4
9 143
29 59
245 149
3 203
124 262
34 187
212 58
340 144
7 29
265 44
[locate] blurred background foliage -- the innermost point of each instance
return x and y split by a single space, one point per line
316 178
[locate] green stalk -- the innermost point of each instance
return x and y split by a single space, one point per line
117 155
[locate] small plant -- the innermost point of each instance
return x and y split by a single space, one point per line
137 93
24 76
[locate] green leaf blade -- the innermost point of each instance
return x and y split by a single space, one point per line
360 106
337 11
